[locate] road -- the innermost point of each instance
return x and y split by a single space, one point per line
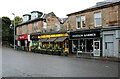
27 64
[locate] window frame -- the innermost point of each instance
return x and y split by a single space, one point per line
78 26
83 20
97 17
35 26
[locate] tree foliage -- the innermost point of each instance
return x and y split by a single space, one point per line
5 22
5 27
8 28
18 20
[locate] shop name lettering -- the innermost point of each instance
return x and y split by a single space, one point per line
21 37
84 35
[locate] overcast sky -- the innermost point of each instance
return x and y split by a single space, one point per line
59 7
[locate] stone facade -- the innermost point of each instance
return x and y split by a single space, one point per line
52 21
28 28
109 18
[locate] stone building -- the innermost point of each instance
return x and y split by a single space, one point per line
89 29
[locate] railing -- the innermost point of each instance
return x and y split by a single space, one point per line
79 53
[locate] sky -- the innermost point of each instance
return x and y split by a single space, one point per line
60 7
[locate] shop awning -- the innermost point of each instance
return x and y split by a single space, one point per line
51 39
61 39
43 40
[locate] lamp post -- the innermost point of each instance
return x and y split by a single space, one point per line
14 29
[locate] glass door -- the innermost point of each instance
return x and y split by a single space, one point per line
96 48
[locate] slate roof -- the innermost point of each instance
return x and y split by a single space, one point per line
62 20
99 5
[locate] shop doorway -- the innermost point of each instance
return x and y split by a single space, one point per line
22 43
96 48
109 49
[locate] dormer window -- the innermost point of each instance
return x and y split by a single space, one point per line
36 14
26 17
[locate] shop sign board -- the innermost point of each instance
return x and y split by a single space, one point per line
23 37
53 35
33 37
75 35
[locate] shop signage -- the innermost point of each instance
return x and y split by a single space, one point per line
23 37
74 35
52 35
33 37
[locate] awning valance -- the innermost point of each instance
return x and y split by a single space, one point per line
61 39
43 40
51 39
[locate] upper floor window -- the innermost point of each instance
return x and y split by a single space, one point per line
78 22
44 26
34 15
35 26
97 19
27 27
20 30
82 21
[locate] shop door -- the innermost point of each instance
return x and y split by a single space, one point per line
96 48
110 49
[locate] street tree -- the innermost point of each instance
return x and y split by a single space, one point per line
5 27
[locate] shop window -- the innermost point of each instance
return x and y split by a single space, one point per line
97 19
82 45
66 44
75 46
78 22
89 45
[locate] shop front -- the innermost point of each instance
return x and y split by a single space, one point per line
54 41
111 42
23 42
86 42
34 42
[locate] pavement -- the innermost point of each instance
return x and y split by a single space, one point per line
111 59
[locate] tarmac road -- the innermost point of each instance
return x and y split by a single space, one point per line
25 64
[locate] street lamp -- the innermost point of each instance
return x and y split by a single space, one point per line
14 29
